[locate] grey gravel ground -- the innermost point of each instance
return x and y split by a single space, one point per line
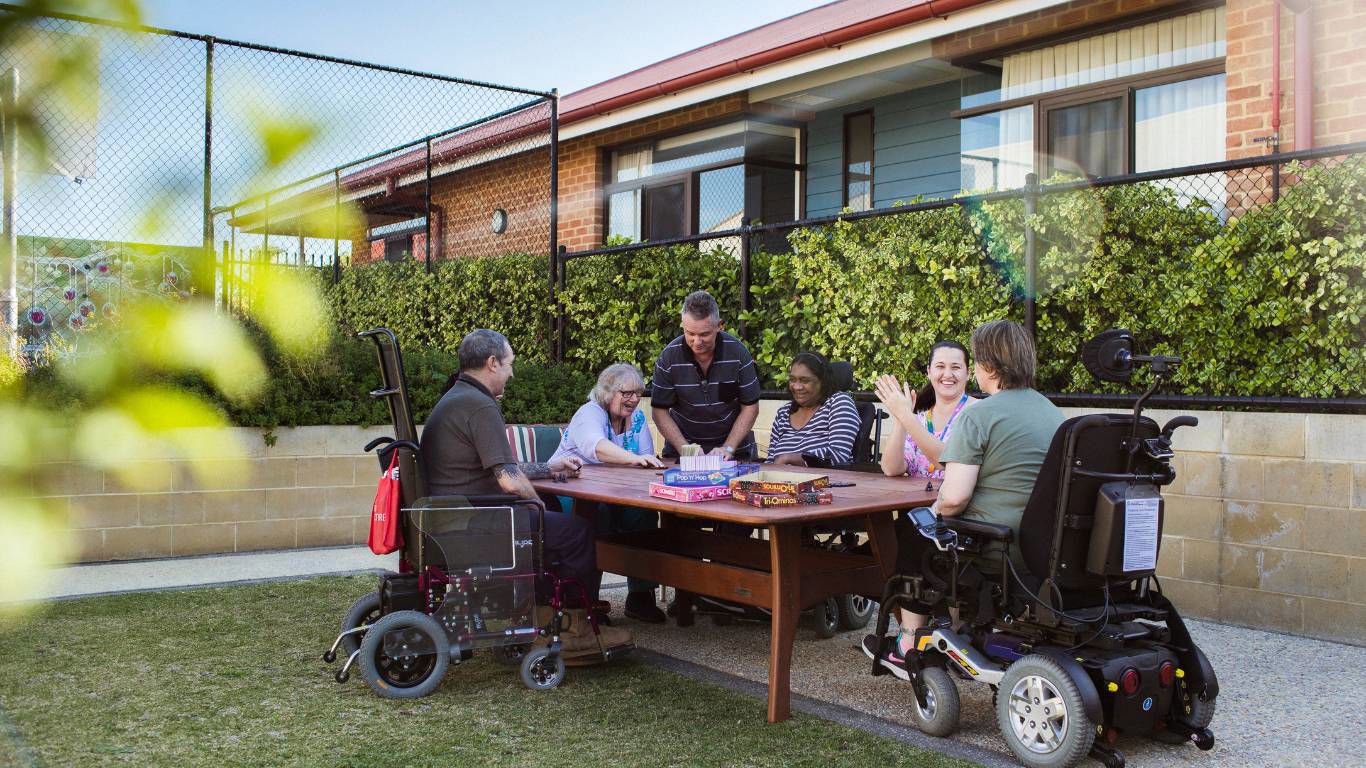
1284 700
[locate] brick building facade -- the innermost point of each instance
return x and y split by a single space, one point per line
464 201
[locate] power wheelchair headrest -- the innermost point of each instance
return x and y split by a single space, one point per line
841 376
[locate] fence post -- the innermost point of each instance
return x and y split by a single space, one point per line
745 302
336 226
208 147
9 254
561 324
556 250
427 219
1031 200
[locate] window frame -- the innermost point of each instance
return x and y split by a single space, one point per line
689 176
1123 87
844 157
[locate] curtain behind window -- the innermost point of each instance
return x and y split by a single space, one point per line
1167 43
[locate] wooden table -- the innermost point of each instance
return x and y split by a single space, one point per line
780 574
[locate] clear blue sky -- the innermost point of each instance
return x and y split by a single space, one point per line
528 43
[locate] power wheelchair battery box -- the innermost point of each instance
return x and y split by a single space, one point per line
399 592
1126 530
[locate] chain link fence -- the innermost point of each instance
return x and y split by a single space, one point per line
1251 268
178 164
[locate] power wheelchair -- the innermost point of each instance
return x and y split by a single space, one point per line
1081 645
470 570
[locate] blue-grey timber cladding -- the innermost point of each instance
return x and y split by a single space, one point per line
915 149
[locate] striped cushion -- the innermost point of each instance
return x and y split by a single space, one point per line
533 442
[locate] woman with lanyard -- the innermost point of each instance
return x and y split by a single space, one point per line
921 421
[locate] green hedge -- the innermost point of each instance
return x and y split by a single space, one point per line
1269 303
625 307
507 293
333 388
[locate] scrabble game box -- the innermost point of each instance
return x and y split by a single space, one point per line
789 483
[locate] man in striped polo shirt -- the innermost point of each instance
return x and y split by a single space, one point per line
705 388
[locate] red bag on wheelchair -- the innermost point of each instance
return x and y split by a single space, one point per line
386 535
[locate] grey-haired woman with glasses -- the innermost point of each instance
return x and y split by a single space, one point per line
611 429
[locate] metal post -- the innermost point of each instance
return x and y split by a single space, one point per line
208 146
556 281
560 321
427 195
336 227
9 254
265 238
1031 200
745 236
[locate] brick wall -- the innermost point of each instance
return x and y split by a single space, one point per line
312 488
582 174
463 204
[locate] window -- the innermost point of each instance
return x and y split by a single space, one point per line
397 236
858 161
1138 99
699 182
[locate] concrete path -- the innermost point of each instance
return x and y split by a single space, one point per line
206 570
1285 700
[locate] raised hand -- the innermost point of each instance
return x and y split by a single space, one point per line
897 397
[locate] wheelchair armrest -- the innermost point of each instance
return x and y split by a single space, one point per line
484 500
980 529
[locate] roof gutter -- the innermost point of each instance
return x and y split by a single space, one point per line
834 38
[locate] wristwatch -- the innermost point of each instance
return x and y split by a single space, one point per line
729 450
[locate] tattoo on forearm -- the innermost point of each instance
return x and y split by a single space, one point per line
507 471
536 471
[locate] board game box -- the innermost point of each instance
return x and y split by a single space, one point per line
695 493
790 483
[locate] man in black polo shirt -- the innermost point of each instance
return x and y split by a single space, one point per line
705 388
465 452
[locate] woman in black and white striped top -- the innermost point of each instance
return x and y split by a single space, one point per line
816 422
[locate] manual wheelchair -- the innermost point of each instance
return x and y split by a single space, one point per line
469 573
1081 645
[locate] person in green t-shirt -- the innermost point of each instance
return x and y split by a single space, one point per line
990 461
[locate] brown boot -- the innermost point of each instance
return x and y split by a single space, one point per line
580 629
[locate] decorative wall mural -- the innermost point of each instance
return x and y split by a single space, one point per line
85 283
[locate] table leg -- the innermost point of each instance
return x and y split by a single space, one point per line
683 601
784 548
882 540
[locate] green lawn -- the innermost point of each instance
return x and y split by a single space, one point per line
234 676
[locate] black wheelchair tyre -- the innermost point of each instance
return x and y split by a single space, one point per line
1191 709
827 615
855 611
939 716
541 671
364 612
1039 738
405 677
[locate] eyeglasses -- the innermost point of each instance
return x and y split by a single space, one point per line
631 394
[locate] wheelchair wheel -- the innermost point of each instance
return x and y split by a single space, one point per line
1191 709
855 611
540 671
404 655
363 613
1041 716
939 716
827 618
